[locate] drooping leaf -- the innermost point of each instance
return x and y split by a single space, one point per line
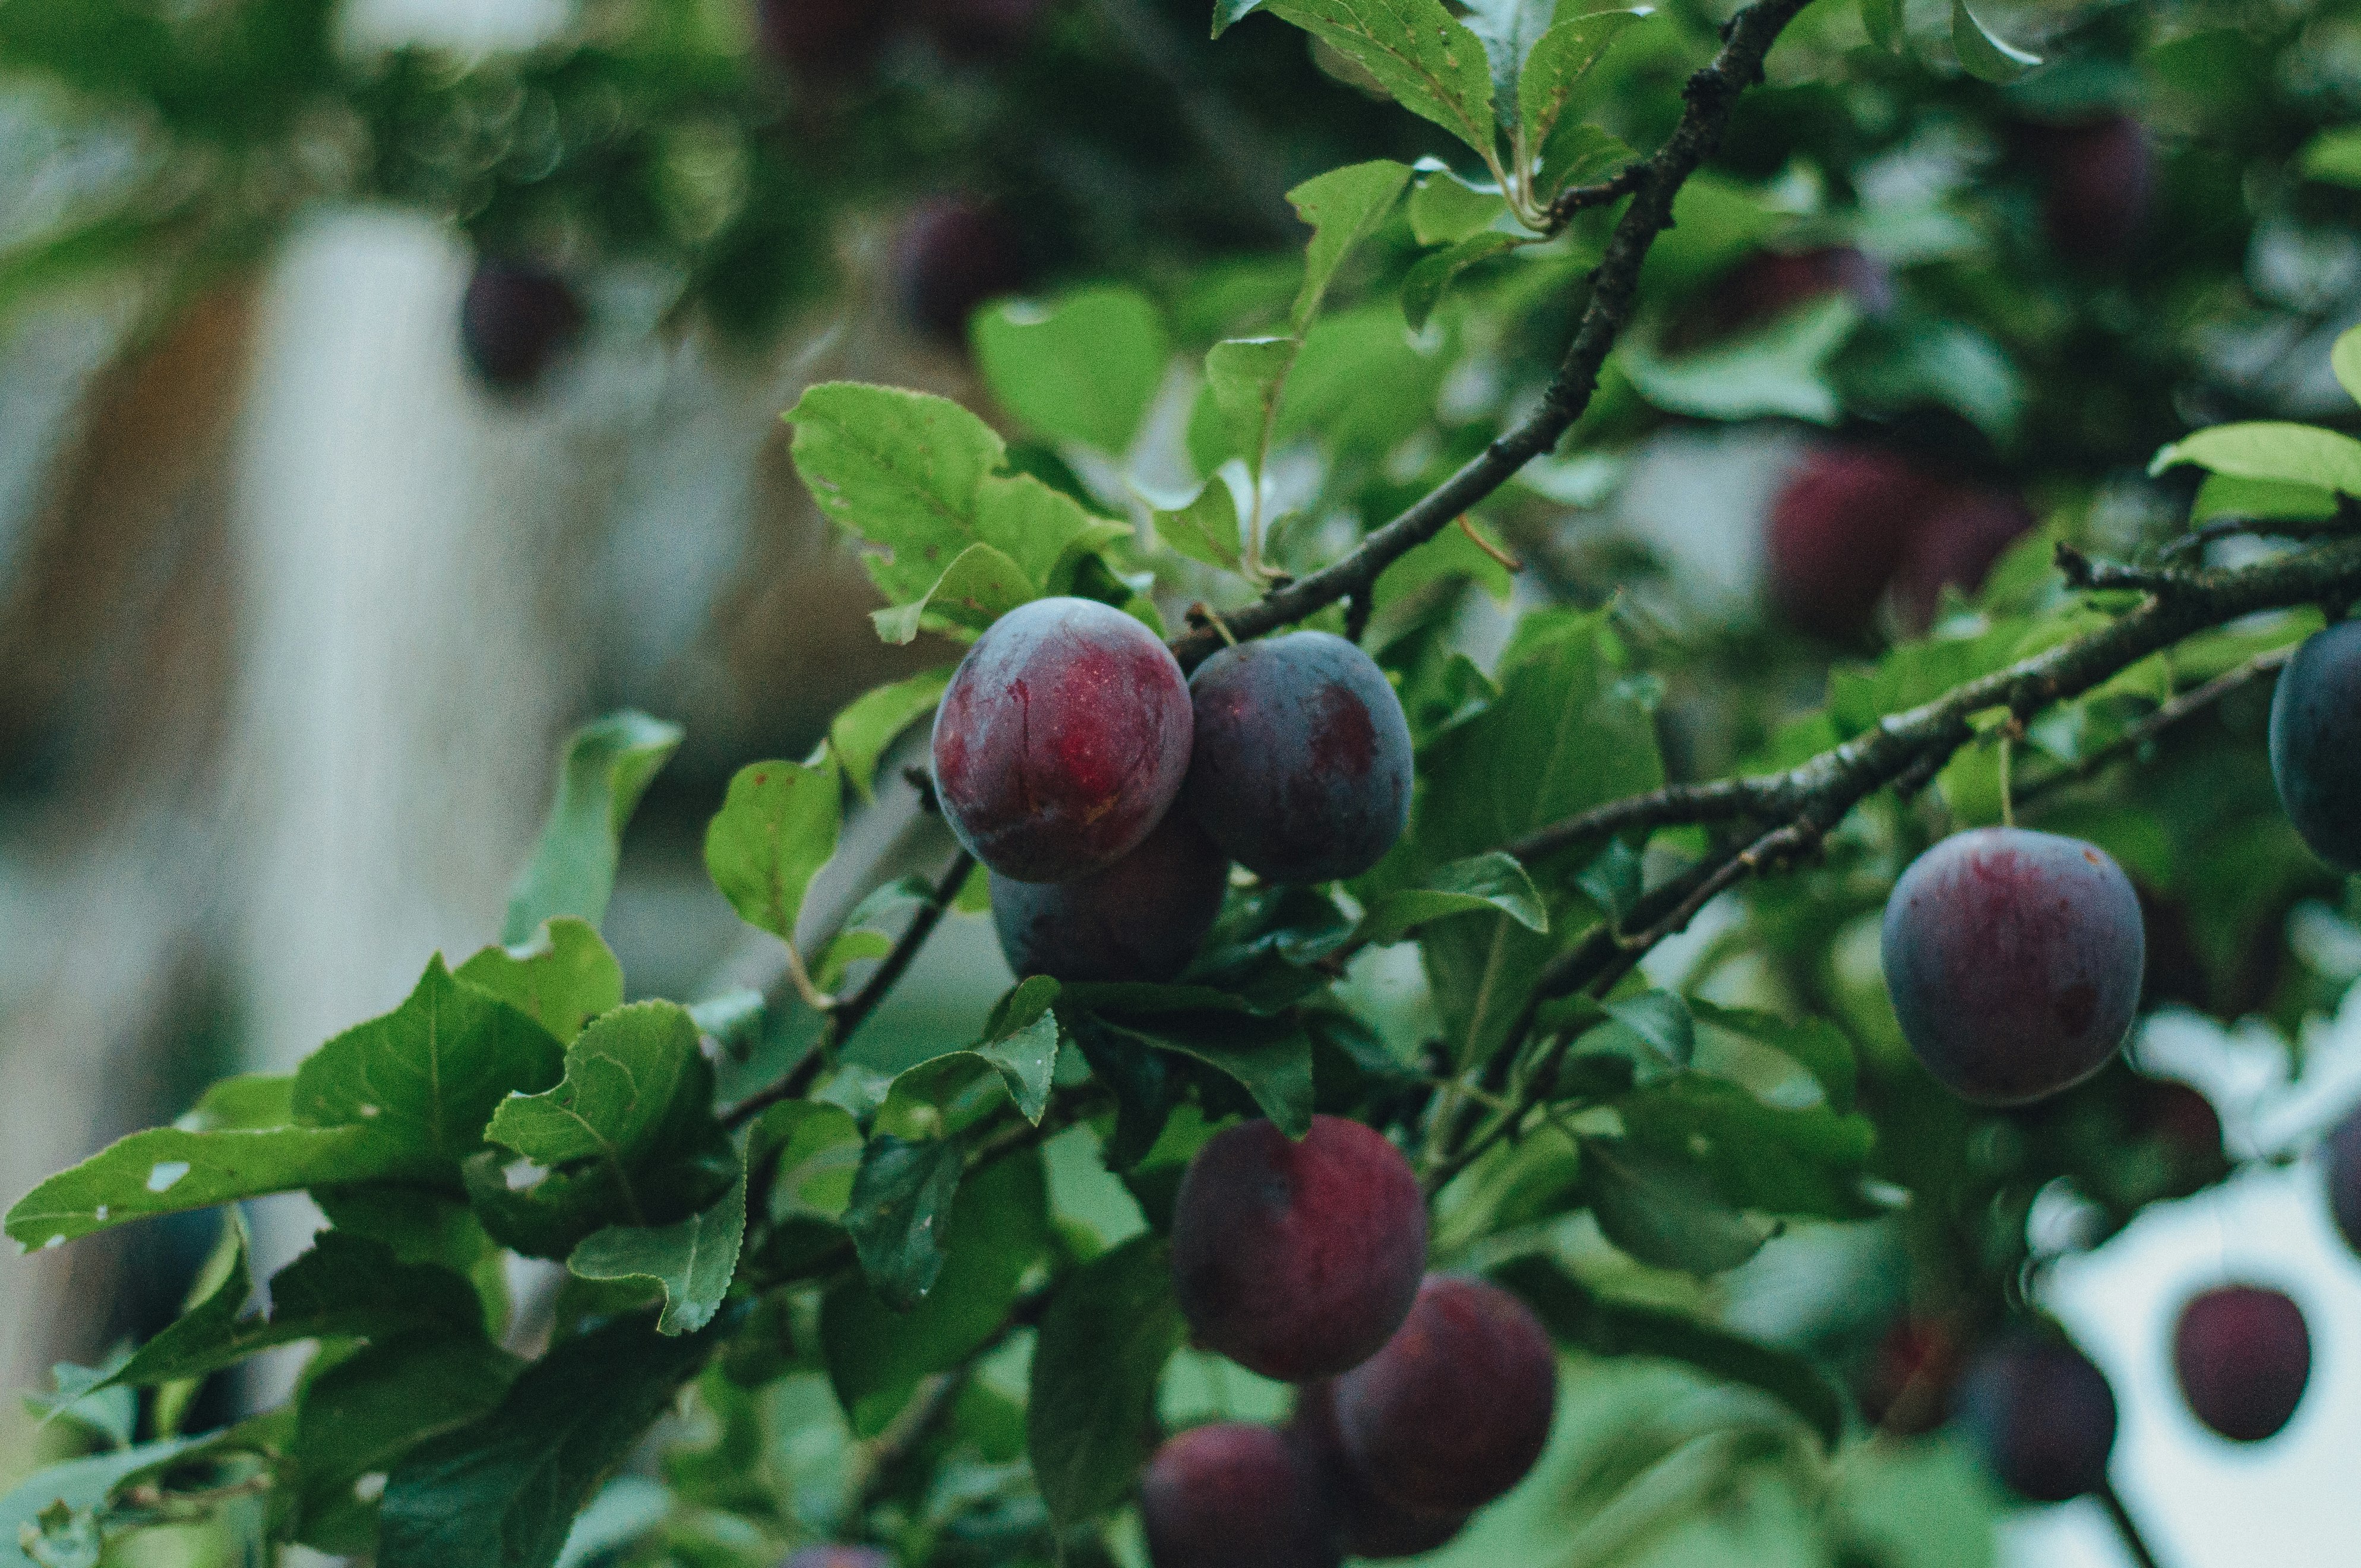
1488 881
901 1207
1084 367
898 470
1246 378
1983 52
1344 207
692 1262
1423 56
1817 1046
166 1171
2295 453
501 1491
562 977
1559 61
1206 530
776 827
1665 1212
606 767
978 588
1780 370
861 734
1270 1058
1771 1160
1424 287
1103 1346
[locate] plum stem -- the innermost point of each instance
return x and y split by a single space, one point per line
2125 1526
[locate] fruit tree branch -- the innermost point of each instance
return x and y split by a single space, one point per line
1711 93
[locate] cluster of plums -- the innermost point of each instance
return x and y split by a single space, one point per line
1420 1397
1108 794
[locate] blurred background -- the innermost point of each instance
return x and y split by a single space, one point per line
387 386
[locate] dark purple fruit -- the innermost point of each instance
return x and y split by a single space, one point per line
1232 1495
1960 537
1838 530
1062 740
2343 1173
2244 1355
1361 1522
517 317
1142 918
2316 743
953 255
1301 768
1456 1409
1769 283
2013 960
2099 186
823 38
1298 1259
2042 1416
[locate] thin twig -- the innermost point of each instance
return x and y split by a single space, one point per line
1580 198
2125 1526
2188 705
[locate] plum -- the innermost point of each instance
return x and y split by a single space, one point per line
1233 1495
2243 1354
2014 959
2344 1178
1838 530
2042 1416
1960 536
1769 283
837 1557
822 37
979 28
1302 770
953 254
1456 1409
2316 743
1298 1259
1061 741
2099 185
1361 1522
1142 918
516 317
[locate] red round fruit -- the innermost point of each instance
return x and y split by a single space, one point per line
1142 918
2316 743
2244 1355
2042 1415
1232 1495
517 317
1361 1522
1838 530
1456 1409
1960 536
1061 741
1298 1259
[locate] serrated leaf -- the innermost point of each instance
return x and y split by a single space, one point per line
606 767
503 1491
978 588
2264 449
1089 1420
1344 207
1084 367
1984 54
1492 881
165 1171
871 723
1419 52
1559 62
1882 20
898 470
1206 530
777 826
1508 29
1423 289
1780 370
425 1077
691 1261
1270 1058
1665 1212
1046 532
1579 153
561 977
901 1205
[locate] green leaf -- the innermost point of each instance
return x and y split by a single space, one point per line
1582 1320
1444 209
897 469
978 588
1579 153
360 1416
561 978
1046 532
1882 20
1984 54
165 1171
901 1199
1665 1212
1559 62
1780 370
999 1226
861 734
2333 157
776 827
2294 454
1270 1058
1206 530
1344 207
2223 496
1817 1046
1660 1018
2346 360
1488 881
793 1139
606 767
79 1487
1765 1158
503 1491
1090 1418
425 1077
90 1397
1420 53
1508 29
1246 378
1424 287
1084 367
691 1261
248 1103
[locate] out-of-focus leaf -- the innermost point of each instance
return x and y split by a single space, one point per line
1084 367
1103 1346
2294 454
1781 371
1344 207
608 766
1488 881
1983 52
1423 289
1665 1212
2334 157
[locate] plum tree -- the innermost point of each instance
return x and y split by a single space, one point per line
2244 1355
2316 743
1362 1522
2014 959
1456 1409
1142 918
977 29
1839 529
2342 1172
2098 182
822 37
2042 1416
1959 538
837 1557
952 254
1233 1495
1298 1258
515 318
1301 768
1061 741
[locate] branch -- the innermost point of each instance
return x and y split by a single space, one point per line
2263 667
1711 94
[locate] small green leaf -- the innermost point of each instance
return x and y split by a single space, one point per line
1084 367
861 734
2221 495
1666 1212
1046 532
1764 1158
1660 1018
897 469
2294 454
1559 62
1817 1046
1488 881
901 1203
562 977
1423 289
1579 153
606 767
1444 209
1344 207
776 827
360 1416
1270 1058
1508 29
692 1262
2333 157
92 1398
1420 53
1781 371
977 588
1104 1342
1983 52
79 1487
2346 360
1246 378
1206 530
165 1171
1882 20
